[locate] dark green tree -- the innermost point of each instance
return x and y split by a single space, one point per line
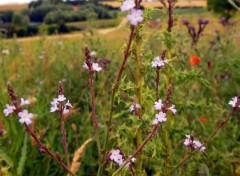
222 7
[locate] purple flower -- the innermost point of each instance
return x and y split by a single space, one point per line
135 17
127 5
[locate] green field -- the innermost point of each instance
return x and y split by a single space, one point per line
34 66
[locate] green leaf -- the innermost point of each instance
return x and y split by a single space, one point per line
6 158
22 160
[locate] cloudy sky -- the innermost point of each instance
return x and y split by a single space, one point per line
2 2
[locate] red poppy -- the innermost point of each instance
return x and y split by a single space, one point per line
203 119
194 60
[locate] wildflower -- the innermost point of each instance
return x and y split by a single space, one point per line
61 98
234 102
127 5
203 119
134 107
95 66
68 104
117 157
9 109
194 60
24 102
161 117
65 111
25 117
172 108
135 17
155 122
158 105
193 144
158 62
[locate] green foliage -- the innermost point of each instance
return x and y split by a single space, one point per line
222 7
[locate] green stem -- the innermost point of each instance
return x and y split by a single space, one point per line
138 137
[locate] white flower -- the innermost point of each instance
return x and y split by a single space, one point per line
24 102
61 98
158 62
134 107
158 105
194 144
68 104
95 66
233 102
135 17
54 108
127 5
25 117
155 122
133 159
9 109
54 105
117 157
65 111
172 108
93 54
202 149
161 117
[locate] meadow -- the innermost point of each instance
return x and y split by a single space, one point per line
201 92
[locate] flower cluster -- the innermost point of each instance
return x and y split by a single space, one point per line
134 107
159 62
136 15
24 116
234 102
95 67
161 116
118 157
193 144
57 105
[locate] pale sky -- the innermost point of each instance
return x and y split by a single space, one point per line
2 2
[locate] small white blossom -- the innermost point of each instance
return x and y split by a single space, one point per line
9 109
117 157
158 105
172 108
24 102
135 17
95 66
134 107
61 98
65 111
25 117
68 104
54 108
127 5
158 62
161 117
194 144
155 122
233 102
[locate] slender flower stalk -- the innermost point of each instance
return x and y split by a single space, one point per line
150 136
91 70
44 149
63 131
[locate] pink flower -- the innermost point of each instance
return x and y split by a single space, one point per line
95 67
9 109
172 108
135 17
25 117
127 5
158 105
24 102
161 117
